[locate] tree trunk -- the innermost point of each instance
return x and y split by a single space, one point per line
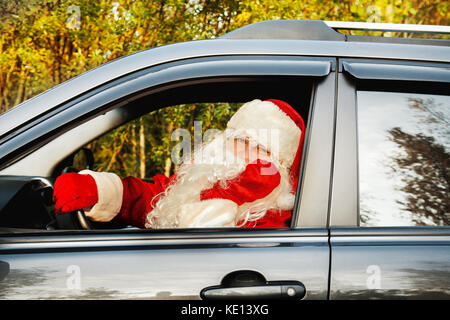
142 149
168 164
20 90
167 167
134 151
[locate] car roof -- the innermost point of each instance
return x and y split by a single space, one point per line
226 45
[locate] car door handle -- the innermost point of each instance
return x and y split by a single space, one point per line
270 290
250 284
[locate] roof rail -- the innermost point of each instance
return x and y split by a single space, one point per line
327 30
395 27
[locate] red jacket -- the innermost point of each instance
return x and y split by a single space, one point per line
249 186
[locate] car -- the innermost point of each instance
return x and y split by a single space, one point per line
371 214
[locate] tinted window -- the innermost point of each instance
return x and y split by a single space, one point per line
404 145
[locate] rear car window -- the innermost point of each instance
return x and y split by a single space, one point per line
403 149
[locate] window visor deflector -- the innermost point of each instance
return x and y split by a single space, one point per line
378 71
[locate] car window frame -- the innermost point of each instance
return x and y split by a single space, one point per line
375 75
133 86
320 101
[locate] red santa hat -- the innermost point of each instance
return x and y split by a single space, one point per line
256 118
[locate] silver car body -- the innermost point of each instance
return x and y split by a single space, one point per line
325 249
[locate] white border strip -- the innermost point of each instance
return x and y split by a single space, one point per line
398 27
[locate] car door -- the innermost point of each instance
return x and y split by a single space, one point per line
176 264
389 220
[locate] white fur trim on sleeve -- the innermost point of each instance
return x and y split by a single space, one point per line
110 194
208 214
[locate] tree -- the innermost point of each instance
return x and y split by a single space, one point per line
426 176
41 45
46 42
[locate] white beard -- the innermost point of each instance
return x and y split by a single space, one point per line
211 166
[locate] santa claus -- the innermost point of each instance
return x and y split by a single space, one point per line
244 177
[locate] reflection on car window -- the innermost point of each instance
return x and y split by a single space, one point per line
404 146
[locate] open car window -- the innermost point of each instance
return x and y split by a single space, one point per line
149 131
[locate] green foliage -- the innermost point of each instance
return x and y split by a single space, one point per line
118 150
46 42
40 46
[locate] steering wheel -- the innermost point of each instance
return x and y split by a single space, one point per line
75 220
82 220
